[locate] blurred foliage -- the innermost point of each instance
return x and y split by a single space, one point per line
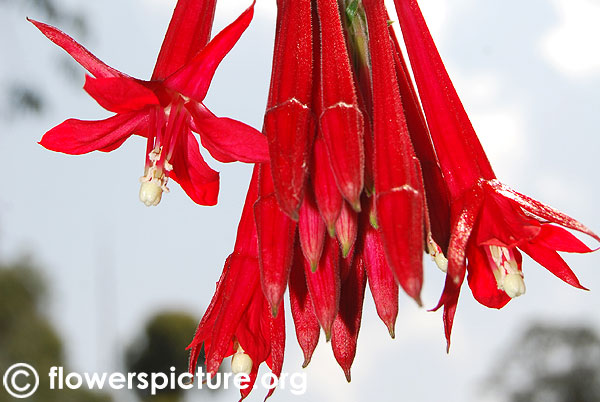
27 336
549 363
160 347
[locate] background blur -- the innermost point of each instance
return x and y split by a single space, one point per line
528 74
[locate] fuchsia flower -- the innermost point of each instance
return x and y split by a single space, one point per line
238 320
362 182
165 109
489 221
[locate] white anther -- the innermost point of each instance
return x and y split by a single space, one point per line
437 255
513 285
241 363
151 192
508 276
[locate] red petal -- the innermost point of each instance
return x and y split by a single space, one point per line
435 187
276 234
311 230
455 140
347 323
550 260
398 190
76 137
197 179
277 332
324 285
482 281
78 52
188 32
341 122
289 121
381 278
542 210
193 79
229 140
305 321
346 228
556 238
328 198
290 128
119 94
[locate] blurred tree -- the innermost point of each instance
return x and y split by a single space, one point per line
160 347
26 335
17 96
549 363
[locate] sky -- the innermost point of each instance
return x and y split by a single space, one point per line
528 74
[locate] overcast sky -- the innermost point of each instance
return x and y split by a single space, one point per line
527 72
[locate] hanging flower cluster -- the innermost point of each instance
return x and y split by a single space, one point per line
357 176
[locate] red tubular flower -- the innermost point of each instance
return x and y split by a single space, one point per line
341 121
165 109
399 194
305 320
238 320
347 323
381 280
276 233
311 230
289 121
489 221
324 285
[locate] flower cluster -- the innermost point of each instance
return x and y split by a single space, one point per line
358 174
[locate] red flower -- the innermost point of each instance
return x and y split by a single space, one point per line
238 320
165 109
489 221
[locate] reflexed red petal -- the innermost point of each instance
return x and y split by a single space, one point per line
311 230
78 52
482 281
324 285
328 198
542 210
557 238
119 94
229 140
381 278
188 32
502 223
197 179
193 79
305 321
451 130
276 234
341 122
550 260
76 137
347 323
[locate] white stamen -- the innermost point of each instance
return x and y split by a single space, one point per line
151 192
437 255
508 276
241 363
514 285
